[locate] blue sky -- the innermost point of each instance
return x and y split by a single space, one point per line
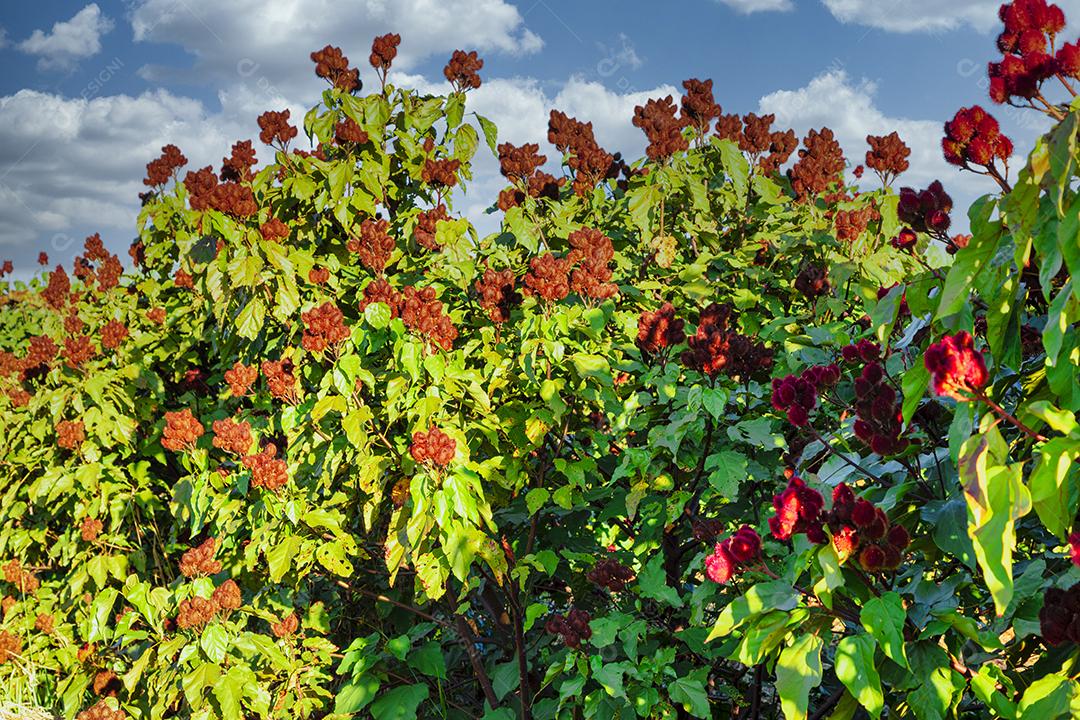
91 91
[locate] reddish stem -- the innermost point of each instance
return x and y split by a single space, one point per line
981 396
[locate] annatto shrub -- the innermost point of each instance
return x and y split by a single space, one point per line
709 434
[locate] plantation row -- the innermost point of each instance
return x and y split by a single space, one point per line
713 433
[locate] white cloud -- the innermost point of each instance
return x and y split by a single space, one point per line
70 167
69 41
3 37
834 100
236 41
907 16
752 6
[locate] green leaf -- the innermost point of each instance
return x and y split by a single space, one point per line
996 499
491 133
535 499
214 641
229 691
591 365
735 167
400 703
1062 421
715 401
1049 698
914 383
356 695
280 556
332 556
377 315
652 583
690 691
1054 499
798 671
773 595
428 659
970 262
885 312
251 319
883 617
728 470
855 668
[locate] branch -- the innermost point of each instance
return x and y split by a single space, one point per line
833 451
474 658
980 395
829 704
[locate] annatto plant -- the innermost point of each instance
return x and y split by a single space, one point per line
710 434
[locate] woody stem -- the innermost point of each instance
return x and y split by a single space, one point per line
981 396
833 451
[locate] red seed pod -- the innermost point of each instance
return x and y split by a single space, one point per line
611 574
195 612
227 596
956 367
663 128
379 290
273 230
427 223
813 281
58 290
199 561
232 436
383 51
973 137
90 528
163 169
872 558
698 107
101 711
591 254
333 66
267 470
659 330
348 131
850 224
23 580
240 379
442 172
820 163
287 627
887 156
113 333
200 185
70 434
275 128
498 294
745 545
517 163
463 70
182 430
434 447
374 245
591 163
798 509
237 167
324 328
548 278
233 199
422 313
280 379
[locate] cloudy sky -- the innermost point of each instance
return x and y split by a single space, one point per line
92 91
